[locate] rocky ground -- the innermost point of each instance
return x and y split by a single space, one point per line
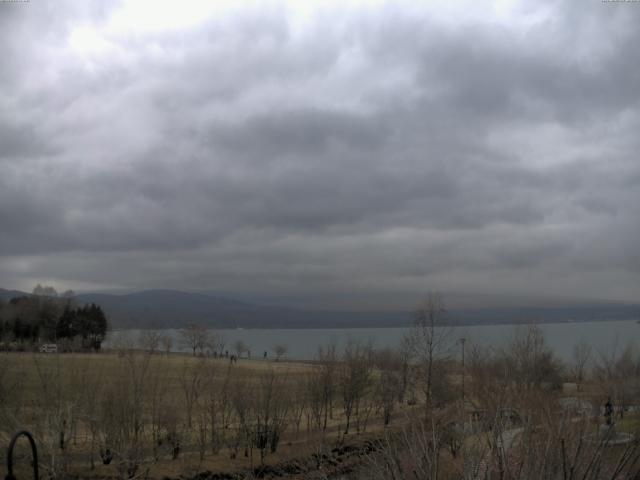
338 463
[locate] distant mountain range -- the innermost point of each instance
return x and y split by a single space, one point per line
175 309
9 294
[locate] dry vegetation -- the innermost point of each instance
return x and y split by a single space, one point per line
134 414
504 414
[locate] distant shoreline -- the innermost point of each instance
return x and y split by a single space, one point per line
366 327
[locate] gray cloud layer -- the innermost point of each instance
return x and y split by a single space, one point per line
383 150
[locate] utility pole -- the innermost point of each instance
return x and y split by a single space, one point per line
462 342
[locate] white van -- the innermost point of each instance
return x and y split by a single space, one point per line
49 348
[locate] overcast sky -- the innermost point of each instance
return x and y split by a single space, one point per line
337 153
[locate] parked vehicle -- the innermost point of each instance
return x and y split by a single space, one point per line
49 348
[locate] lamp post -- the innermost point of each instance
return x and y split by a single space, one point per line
462 342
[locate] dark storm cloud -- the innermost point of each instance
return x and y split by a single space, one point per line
386 150
22 141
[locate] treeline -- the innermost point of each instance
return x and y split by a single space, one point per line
46 317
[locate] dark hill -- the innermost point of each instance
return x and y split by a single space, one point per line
175 309
169 308
9 294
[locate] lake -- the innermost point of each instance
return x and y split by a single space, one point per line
303 344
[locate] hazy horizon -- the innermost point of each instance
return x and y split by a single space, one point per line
451 300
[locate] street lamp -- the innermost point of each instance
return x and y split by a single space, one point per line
462 342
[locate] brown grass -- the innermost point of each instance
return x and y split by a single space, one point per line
29 373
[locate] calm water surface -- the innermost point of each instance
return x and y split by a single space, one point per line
303 343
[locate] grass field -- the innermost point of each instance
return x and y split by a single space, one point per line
129 414
144 407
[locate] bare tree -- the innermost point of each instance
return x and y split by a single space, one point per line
46 291
430 343
240 347
316 394
217 403
354 379
270 413
122 415
404 356
389 382
531 360
53 412
149 340
561 448
243 404
166 341
299 400
194 337
216 343
414 453
191 381
11 399
582 353
157 403
618 376
322 385
280 351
